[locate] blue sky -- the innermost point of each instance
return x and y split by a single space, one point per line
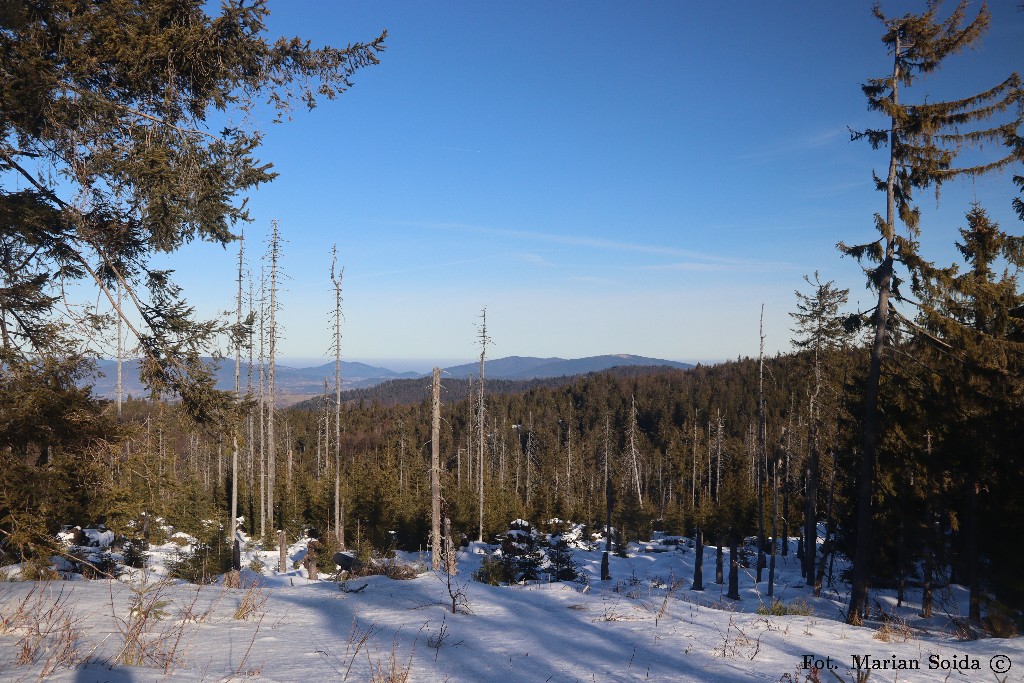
604 177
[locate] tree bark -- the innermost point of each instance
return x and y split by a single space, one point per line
719 561
862 554
435 473
826 548
761 454
775 526
734 567
481 420
698 560
272 342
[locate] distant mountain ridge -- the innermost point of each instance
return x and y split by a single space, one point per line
297 384
291 384
526 367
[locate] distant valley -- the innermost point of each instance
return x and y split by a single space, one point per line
293 385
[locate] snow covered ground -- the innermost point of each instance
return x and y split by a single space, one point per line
643 625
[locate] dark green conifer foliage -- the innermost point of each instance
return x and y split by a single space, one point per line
819 327
972 320
924 141
1018 203
110 154
107 157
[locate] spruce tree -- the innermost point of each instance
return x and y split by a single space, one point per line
819 329
924 141
973 319
107 159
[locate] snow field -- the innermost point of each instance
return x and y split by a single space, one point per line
643 625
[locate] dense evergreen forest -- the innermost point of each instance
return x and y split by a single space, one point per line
893 434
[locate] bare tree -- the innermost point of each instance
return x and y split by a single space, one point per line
274 253
263 405
234 444
633 453
609 493
120 353
761 453
435 473
339 513
484 340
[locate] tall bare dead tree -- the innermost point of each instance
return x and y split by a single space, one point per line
339 512
435 473
633 451
484 340
274 253
249 418
263 404
234 443
609 493
761 454
120 354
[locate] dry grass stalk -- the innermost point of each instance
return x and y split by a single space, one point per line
144 642
244 668
393 671
252 602
895 631
357 639
48 629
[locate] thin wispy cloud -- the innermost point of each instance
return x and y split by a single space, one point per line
574 241
790 146
532 258
835 189
753 267
413 269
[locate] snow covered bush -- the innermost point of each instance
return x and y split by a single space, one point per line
563 538
526 554
518 558
202 561
493 571
134 553
562 566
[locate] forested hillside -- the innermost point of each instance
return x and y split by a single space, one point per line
399 391
681 449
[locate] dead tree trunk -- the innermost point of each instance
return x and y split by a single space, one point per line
120 353
481 421
609 496
435 473
775 524
734 566
826 548
761 453
450 566
234 445
272 342
698 560
633 455
719 560
339 520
